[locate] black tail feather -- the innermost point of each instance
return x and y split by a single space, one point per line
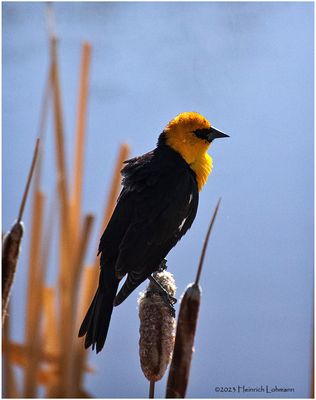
131 283
97 320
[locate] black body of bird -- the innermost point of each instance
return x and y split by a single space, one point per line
155 208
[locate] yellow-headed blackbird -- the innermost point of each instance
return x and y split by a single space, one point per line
156 207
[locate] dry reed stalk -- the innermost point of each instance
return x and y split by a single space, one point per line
42 376
50 20
58 120
35 342
90 274
50 326
88 284
80 140
108 211
47 377
12 241
9 388
65 243
69 220
36 160
109 208
18 353
51 343
79 243
42 125
60 160
115 185
187 321
79 354
18 356
37 267
80 256
72 381
90 278
34 289
76 253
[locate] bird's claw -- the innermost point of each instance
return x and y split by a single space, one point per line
169 301
167 298
172 310
162 265
172 299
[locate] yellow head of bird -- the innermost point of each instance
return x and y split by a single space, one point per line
191 134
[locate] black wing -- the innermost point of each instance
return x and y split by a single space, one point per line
155 209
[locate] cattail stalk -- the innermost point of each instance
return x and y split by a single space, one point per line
186 327
29 179
151 390
12 243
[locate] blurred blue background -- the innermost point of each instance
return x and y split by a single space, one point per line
248 67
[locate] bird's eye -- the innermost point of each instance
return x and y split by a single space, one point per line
202 133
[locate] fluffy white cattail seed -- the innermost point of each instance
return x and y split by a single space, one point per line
157 327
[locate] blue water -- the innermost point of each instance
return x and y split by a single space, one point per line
248 67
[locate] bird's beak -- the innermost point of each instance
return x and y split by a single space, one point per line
216 134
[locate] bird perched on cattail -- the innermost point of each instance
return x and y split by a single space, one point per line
155 208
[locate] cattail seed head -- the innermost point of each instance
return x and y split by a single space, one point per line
10 253
184 343
157 328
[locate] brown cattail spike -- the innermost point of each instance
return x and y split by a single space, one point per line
10 254
157 328
183 348
182 355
